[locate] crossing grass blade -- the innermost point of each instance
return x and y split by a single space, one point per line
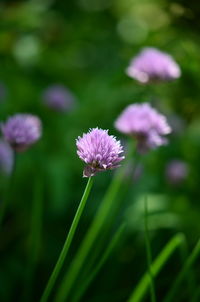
81 290
148 250
187 265
142 287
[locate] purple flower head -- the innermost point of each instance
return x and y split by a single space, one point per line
176 171
58 98
21 131
99 150
145 124
6 158
152 65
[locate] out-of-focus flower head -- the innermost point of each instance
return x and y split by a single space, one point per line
58 98
21 131
6 157
153 65
145 124
99 150
176 171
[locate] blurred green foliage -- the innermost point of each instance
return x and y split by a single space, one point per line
86 46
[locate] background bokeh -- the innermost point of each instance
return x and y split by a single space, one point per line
86 46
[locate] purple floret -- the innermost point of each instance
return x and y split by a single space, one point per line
99 150
6 157
58 98
145 124
21 131
152 65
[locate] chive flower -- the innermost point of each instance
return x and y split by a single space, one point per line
153 65
6 158
99 150
21 131
58 98
145 124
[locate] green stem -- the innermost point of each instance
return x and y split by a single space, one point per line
191 278
148 249
103 259
191 259
67 243
156 266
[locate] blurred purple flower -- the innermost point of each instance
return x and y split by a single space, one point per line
58 98
145 124
99 151
176 171
21 131
152 65
6 158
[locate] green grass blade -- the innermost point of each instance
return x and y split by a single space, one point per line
191 259
156 266
148 249
81 290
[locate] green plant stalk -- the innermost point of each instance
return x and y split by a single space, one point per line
191 278
148 249
81 290
92 234
156 266
67 243
189 262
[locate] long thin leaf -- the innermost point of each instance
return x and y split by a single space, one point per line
191 259
81 290
148 250
156 266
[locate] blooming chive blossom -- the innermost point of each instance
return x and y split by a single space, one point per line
99 150
21 131
59 98
6 158
151 65
176 171
145 124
